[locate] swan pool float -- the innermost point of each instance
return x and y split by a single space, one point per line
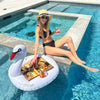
18 79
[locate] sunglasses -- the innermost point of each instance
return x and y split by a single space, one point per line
45 17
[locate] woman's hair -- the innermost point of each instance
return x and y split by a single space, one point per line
41 28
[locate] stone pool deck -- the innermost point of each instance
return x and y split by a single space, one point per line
12 7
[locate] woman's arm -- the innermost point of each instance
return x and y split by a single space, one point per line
36 41
52 33
34 60
57 31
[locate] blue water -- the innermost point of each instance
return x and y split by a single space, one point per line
80 85
8 91
24 23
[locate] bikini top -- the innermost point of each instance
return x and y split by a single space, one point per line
45 33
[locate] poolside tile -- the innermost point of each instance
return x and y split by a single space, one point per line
3 38
59 8
47 6
12 41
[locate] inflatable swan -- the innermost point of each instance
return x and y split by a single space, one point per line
18 79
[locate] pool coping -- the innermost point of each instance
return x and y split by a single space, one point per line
92 2
76 32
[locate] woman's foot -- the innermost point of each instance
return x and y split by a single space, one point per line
93 69
83 62
90 69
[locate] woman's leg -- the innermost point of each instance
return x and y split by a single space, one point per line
67 39
60 52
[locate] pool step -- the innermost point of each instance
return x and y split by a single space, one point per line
28 14
59 8
31 22
10 20
13 25
88 11
47 6
3 56
73 9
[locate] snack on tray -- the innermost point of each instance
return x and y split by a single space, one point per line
28 76
31 72
44 64
27 65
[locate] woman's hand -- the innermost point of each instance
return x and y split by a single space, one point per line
57 31
33 61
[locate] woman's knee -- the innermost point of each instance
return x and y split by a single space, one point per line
68 39
68 54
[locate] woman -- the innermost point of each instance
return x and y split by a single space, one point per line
52 47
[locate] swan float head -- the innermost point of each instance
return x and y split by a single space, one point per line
16 66
21 49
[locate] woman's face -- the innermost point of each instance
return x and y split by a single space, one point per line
43 19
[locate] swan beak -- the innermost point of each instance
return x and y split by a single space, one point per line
12 56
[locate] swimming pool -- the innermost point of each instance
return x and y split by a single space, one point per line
23 25
80 85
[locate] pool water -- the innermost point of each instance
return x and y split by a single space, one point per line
8 91
82 84
24 27
85 85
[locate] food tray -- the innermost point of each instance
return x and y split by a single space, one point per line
31 72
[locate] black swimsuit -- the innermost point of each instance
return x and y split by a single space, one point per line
52 43
45 34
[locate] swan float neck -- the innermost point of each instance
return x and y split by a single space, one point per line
21 50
